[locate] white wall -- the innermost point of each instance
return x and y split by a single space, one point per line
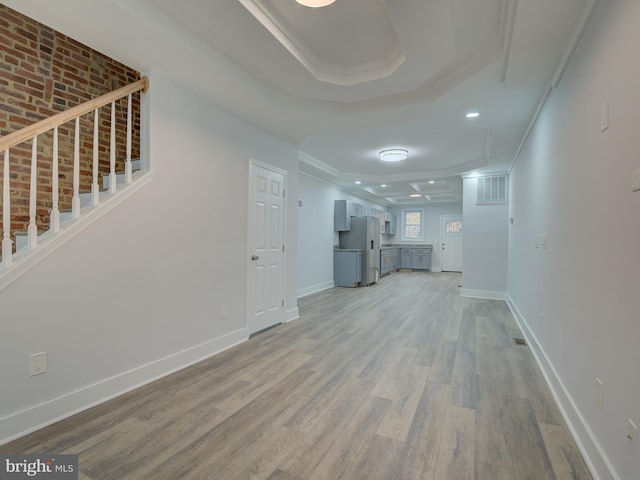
573 183
432 215
138 293
316 237
484 248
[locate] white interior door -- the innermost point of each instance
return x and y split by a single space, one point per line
451 248
265 292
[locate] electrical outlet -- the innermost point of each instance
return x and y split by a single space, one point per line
224 311
599 388
37 363
632 438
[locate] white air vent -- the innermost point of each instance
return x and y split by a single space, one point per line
492 189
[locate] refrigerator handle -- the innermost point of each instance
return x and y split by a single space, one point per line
371 244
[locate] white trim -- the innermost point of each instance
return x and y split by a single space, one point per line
24 262
291 315
486 294
319 287
33 418
594 455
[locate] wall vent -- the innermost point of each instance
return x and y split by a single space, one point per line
492 189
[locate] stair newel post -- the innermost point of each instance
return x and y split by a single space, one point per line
95 188
112 147
55 211
32 229
6 212
75 202
128 168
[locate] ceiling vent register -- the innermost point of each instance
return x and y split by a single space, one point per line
492 189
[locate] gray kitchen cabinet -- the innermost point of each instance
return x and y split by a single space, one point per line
387 260
421 258
405 258
342 212
391 230
347 268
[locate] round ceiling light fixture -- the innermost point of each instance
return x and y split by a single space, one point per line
315 3
394 155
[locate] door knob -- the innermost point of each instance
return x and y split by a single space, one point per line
254 257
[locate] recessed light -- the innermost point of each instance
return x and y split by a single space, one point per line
315 3
415 195
357 182
384 185
472 115
393 155
431 182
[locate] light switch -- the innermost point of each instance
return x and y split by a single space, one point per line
635 180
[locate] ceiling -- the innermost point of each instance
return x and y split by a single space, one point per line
348 80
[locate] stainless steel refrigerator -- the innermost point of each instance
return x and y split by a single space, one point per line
365 235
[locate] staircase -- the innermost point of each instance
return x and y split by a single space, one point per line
30 245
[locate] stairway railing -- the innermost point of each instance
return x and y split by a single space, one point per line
32 132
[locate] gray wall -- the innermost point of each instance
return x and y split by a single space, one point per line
573 183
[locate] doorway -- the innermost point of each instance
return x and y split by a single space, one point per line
451 243
265 277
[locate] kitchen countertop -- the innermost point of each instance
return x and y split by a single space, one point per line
383 247
338 249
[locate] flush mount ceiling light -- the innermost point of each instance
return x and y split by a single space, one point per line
415 195
384 185
472 115
357 182
393 155
315 3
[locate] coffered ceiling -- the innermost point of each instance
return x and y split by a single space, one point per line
348 80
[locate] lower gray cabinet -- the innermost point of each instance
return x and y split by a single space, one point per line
405 258
347 268
415 258
387 261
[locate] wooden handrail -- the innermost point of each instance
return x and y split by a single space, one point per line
58 119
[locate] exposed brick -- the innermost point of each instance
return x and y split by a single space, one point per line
43 72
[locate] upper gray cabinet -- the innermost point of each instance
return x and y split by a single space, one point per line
343 210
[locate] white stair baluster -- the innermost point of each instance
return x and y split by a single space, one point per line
75 202
32 229
95 188
128 169
112 147
6 212
55 211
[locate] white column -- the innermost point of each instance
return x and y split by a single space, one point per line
127 167
55 211
95 188
112 148
75 202
32 229
6 212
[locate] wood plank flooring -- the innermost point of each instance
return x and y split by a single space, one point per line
401 380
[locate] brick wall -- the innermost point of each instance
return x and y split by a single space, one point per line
43 72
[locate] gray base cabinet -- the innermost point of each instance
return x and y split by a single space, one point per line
347 268
415 258
387 261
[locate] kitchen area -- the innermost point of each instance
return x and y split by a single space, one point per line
365 250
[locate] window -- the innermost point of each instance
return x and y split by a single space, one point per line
412 225
453 226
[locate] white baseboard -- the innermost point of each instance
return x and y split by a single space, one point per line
487 294
303 292
594 456
33 418
291 314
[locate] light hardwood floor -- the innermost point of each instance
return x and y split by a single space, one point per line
401 380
